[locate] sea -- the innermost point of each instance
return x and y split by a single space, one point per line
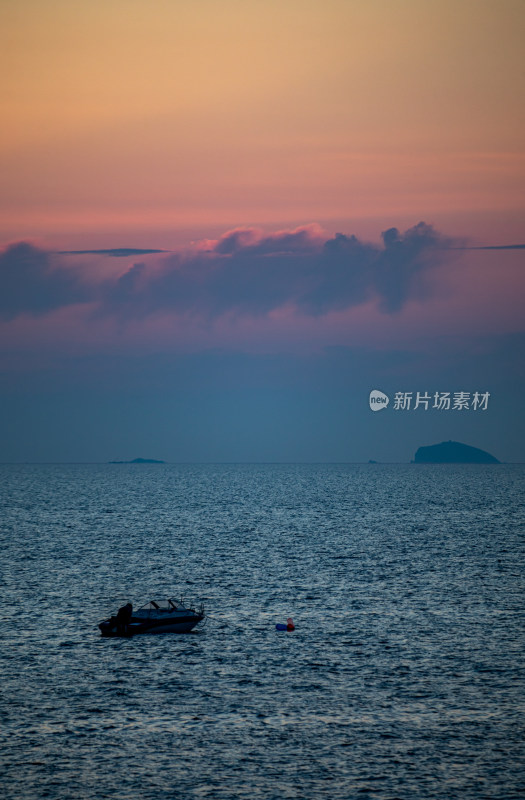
403 678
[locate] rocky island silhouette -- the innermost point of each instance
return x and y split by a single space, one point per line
139 461
453 453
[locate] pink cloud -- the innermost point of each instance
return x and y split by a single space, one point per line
247 289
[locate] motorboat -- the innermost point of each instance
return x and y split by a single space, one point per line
157 616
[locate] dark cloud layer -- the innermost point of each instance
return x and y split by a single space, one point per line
116 252
244 272
30 283
497 247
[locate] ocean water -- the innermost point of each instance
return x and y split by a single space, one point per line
403 679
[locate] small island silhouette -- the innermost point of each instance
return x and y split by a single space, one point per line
453 453
139 461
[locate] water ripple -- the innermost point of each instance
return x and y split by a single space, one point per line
403 678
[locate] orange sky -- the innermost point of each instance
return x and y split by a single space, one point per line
129 122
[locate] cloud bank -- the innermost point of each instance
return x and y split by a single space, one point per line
30 283
245 272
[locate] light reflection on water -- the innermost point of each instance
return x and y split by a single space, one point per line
403 678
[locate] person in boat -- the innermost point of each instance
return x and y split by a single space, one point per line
123 617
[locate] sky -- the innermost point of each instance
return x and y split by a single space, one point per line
223 223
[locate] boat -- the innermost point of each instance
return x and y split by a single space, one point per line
157 616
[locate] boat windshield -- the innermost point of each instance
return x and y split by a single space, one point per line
159 605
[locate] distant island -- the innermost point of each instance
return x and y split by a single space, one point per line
453 453
139 461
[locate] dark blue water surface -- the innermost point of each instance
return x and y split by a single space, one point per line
403 679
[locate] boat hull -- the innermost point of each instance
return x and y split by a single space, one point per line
135 626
